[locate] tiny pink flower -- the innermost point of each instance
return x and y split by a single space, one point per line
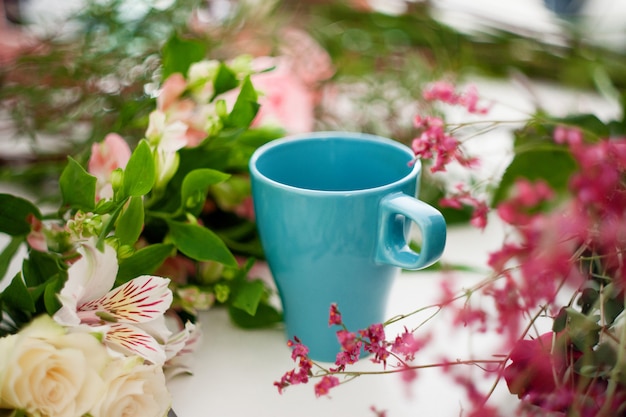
326 383
569 136
334 316
464 198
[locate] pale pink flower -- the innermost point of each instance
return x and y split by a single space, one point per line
36 238
130 315
172 89
310 62
112 153
285 99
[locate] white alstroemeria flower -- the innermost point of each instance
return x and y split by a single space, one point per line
166 135
132 314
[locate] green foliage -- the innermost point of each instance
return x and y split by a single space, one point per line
14 212
195 187
200 243
130 223
245 108
78 188
144 261
178 54
140 174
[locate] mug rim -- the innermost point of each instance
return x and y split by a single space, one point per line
341 135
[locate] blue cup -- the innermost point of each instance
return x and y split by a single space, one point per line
333 211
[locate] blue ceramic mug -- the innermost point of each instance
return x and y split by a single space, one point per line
333 211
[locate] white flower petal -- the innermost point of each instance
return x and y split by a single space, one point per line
140 300
131 340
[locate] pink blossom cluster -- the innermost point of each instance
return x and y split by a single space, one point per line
302 372
464 198
446 92
371 340
435 143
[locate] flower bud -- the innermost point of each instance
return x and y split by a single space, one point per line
117 180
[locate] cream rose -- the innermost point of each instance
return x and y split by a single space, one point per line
134 389
47 372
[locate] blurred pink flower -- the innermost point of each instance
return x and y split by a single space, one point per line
310 62
172 89
285 99
112 153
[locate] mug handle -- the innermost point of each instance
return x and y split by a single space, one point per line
395 210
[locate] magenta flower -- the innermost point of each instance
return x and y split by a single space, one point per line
334 317
326 383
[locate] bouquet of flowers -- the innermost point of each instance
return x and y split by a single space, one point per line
104 305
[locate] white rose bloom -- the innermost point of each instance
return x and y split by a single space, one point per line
134 389
47 372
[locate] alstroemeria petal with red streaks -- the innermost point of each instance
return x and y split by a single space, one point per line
129 339
140 300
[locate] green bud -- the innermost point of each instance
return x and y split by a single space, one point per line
125 251
222 292
117 179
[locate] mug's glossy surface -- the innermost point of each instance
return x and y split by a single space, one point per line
333 211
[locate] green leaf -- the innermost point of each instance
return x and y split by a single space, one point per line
8 253
140 172
143 262
130 222
39 267
249 295
266 316
552 164
200 243
245 108
78 187
51 292
13 215
583 330
196 185
225 80
178 55
16 295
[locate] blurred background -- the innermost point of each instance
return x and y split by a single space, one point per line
73 71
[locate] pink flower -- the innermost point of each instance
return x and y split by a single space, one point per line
36 238
173 87
407 345
570 136
326 383
334 316
300 374
350 349
517 210
446 93
463 198
310 62
433 141
284 98
374 337
106 157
